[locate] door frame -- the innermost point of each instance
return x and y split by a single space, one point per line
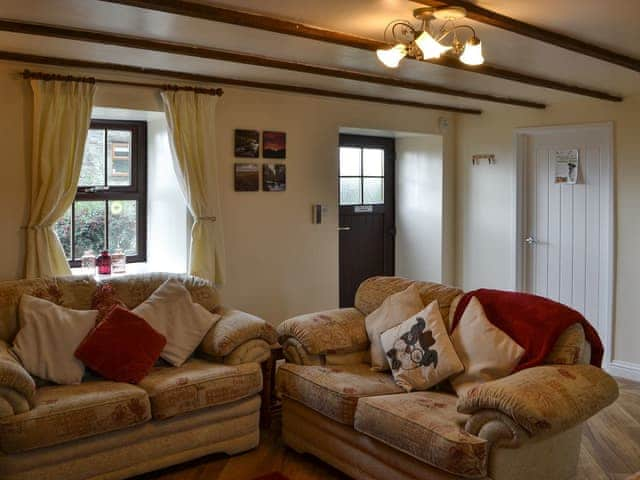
520 147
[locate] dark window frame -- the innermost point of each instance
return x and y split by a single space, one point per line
137 190
350 142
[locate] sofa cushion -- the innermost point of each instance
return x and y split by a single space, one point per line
199 384
333 391
427 426
67 412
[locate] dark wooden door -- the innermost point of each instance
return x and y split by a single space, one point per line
367 211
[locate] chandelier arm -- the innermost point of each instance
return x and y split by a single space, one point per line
454 29
397 23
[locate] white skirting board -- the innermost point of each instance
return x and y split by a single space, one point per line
628 370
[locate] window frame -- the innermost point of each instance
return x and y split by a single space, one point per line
137 190
362 176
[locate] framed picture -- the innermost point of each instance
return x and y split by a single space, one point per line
274 144
247 143
274 177
246 177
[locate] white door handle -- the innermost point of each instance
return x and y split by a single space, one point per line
530 241
344 229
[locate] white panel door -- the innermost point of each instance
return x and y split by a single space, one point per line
567 228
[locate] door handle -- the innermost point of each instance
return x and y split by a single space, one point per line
530 241
343 229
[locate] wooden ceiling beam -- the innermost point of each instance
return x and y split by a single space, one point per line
278 25
489 17
202 78
247 59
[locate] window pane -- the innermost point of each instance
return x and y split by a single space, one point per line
89 227
350 191
123 227
373 190
92 172
373 162
349 162
63 229
118 157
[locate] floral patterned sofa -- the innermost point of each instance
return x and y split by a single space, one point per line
526 426
108 430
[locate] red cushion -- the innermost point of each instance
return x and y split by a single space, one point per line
123 347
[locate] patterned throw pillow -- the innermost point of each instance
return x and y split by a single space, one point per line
105 299
420 352
394 310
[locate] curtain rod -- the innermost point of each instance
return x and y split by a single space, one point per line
28 74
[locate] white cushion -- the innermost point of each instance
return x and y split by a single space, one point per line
48 338
171 312
394 310
486 351
420 352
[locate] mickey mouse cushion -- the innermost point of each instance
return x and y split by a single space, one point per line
420 352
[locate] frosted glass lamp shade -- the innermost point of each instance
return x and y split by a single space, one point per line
429 46
391 57
472 54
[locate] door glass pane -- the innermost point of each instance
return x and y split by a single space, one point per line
349 162
89 227
350 193
92 172
63 229
373 162
123 226
118 157
373 190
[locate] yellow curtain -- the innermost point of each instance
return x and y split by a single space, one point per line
61 117
191 119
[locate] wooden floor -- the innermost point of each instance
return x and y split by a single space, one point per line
610 450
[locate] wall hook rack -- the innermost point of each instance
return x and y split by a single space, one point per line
490 157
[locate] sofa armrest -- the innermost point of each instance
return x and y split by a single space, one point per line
255 350
234 329
545 399
17 387
340 331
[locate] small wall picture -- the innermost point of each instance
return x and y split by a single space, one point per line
247 178
274 144
247 143
274 177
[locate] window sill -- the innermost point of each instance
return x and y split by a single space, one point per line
132 268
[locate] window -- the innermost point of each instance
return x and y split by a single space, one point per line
361 176
109 210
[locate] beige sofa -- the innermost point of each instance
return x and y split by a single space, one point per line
526 426
106 430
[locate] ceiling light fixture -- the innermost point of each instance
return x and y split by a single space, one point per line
425 42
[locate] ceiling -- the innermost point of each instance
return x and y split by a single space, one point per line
586 20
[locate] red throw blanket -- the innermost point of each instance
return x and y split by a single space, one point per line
534 322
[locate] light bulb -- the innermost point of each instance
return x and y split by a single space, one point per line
391 56
472 54
429 46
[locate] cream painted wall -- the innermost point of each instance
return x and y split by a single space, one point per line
279 264
486 213
419 203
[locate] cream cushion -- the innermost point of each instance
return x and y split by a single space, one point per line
48 338
333 391
420 352
171 312
394 310
199 384
64 413
486 351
